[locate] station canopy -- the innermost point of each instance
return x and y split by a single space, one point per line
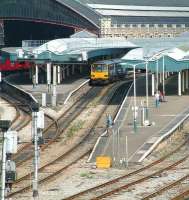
173 55
81 49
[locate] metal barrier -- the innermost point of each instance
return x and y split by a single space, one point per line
74 91
117 121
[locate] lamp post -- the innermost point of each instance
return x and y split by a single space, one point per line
147 102
135 109
135 103
163 76
157 77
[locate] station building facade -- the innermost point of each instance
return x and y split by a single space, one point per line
51 19
141 18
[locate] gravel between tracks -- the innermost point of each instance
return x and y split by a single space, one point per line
7 112
83 175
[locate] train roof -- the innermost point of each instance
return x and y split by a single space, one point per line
108 62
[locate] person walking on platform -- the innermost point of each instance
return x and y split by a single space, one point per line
157 99
109 123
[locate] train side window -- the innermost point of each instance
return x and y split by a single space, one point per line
105 68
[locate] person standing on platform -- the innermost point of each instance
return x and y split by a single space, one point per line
157 99
109 123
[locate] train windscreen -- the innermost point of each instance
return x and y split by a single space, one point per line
99 68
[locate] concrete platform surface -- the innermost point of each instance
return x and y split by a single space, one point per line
140 141
63 89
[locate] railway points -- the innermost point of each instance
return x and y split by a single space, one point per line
162 115
81 72
85 139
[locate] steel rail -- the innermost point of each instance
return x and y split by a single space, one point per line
118 189
56 134
127 175
74 149
166 188
19 114
182 196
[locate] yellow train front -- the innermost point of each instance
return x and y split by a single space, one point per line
104 72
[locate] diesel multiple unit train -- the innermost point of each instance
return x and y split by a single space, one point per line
107 71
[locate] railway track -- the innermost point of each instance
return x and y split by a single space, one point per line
83 146
118 185
170 189
182 195
21 119
54 130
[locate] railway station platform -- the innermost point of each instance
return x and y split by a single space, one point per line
132 144
62 90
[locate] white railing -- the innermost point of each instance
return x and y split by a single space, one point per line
115 119
72 92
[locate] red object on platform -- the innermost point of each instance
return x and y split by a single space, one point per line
8 66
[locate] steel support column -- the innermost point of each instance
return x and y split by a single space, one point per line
73 69
179 84
153 85
157 78
186 79
49 75
36 74
54 95
58 75
183 81
67 71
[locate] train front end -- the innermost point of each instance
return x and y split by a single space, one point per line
99 74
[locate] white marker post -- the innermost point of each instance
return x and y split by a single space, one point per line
48 76
54 95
